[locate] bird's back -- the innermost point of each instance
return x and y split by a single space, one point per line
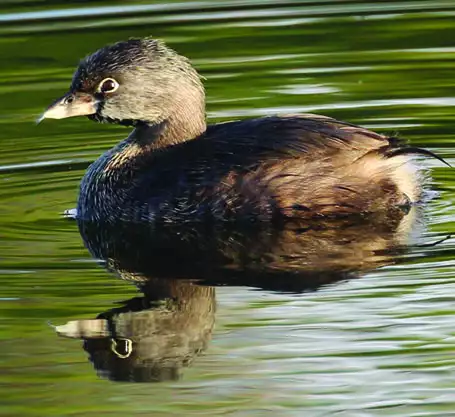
269 168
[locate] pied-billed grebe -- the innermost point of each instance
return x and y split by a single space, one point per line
174 168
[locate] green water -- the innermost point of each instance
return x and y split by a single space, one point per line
380 345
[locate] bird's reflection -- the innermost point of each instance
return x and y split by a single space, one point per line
149 338
294 256
152 338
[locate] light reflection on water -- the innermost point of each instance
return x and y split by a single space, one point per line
378 345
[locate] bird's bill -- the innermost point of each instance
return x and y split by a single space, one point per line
70 105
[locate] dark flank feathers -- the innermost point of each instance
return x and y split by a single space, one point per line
265 169
175 168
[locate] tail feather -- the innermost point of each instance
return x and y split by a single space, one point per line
414 150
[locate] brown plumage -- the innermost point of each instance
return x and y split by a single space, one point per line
174 168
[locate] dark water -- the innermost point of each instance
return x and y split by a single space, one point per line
380 345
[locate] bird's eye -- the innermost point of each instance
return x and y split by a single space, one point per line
108 85
68 99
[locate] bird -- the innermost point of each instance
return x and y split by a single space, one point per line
174 168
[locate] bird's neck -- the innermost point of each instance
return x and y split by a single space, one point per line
112 175
185 123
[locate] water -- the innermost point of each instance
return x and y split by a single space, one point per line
380 343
